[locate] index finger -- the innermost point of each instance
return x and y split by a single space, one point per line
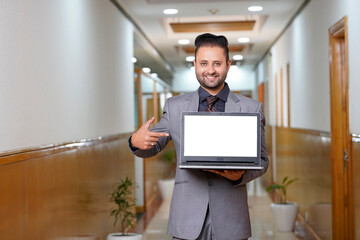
158 134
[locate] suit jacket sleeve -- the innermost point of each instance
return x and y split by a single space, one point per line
250 175
162 126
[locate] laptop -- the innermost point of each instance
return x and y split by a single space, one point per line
220 140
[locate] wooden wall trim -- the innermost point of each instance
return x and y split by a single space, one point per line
36 152
307 131
354 136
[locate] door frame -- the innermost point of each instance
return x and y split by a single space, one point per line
343 224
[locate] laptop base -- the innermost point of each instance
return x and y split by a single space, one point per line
190 166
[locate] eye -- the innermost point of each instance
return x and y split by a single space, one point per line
217 64
203 64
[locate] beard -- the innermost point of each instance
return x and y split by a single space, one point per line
211 82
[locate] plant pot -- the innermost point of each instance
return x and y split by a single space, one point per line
166 187
284 215
119 236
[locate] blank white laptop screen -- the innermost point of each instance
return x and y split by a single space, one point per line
220 137
228 136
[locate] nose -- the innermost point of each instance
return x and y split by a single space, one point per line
211 69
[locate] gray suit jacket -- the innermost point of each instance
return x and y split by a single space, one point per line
195 190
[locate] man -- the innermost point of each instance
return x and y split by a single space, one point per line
206 205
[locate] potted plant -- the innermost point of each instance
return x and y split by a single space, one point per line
166 185
284 213
123 212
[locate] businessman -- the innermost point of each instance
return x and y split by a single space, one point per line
206 205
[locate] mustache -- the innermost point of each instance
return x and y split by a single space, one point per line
210 75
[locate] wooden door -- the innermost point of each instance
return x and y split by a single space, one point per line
342 171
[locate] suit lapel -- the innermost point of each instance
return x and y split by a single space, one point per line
192 104
232 104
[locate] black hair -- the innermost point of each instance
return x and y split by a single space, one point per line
211 40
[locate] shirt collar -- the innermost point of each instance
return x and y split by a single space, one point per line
222 95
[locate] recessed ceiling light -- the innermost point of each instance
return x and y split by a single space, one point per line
170 11
134 60
184 41
146 70
238 57
255 8
243 40
190 58
154 75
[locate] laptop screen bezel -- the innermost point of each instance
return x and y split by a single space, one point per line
226 160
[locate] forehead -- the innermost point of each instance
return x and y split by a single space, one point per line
211 53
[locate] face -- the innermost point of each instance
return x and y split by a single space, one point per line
211 68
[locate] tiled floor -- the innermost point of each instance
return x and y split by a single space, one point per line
260 213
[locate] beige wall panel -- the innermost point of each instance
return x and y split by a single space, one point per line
66 194
12 201
305 154
41 198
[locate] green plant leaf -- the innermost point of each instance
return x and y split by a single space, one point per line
282 188
284 180
291 181
274 186
121 197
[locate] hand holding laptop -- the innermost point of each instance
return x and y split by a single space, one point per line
145 139
233 175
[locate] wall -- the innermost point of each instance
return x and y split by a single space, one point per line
305 47
66 72
63 192
305 155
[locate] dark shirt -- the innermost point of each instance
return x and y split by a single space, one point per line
219 104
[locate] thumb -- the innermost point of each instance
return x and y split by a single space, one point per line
148 123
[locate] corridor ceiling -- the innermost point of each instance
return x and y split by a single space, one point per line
156 39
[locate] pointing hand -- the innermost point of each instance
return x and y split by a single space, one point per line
145 139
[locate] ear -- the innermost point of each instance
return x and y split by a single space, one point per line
228 64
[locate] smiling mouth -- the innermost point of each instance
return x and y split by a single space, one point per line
211 78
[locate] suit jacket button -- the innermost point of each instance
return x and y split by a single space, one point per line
210 183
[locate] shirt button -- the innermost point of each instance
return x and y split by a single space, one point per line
210 183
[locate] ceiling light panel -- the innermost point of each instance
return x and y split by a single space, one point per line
190 58
146 70
238 57
170 11
243 40
184 41
255 8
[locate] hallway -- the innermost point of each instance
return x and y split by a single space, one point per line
78 78
260 214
